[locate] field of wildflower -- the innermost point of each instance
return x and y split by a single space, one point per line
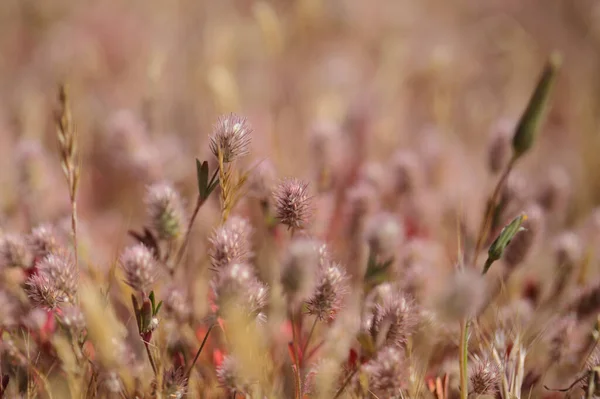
301 199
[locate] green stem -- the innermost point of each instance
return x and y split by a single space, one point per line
485 225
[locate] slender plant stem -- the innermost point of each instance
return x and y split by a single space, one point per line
485 225
295 346
74 229
150 358
481 237
345 383
310 334
464 351
189 372
186 240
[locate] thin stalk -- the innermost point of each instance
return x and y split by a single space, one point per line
310 334
483 231
154 369
189 372
345 383
481 238
295 346
464 352
186 240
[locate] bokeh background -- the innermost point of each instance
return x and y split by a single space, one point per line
149 78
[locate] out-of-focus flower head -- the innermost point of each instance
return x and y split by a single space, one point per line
231 377
300 266
392 320
14 252
262 180
387 373
139 266
230 243
384 235
236 285
43 241
165 210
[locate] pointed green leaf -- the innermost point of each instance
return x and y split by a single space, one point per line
151 296
158 308
212 184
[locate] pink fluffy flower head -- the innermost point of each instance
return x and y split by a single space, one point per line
140 267
230 243
231 137
292 203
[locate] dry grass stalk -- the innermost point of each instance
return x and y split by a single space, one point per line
69 156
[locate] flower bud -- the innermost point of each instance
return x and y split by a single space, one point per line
533 115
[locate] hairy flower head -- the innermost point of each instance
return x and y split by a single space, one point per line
43 241
231 377
387 373
332 285
485 377
62 271
44 293
165 210
292 203
231 137
139 266
14 252
236 285
230 243
394 320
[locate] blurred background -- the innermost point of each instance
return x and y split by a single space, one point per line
149 78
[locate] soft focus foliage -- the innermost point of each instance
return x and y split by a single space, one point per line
363 158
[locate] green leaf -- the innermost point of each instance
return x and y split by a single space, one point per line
214 182
202 176
158 308
151 296
501 242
